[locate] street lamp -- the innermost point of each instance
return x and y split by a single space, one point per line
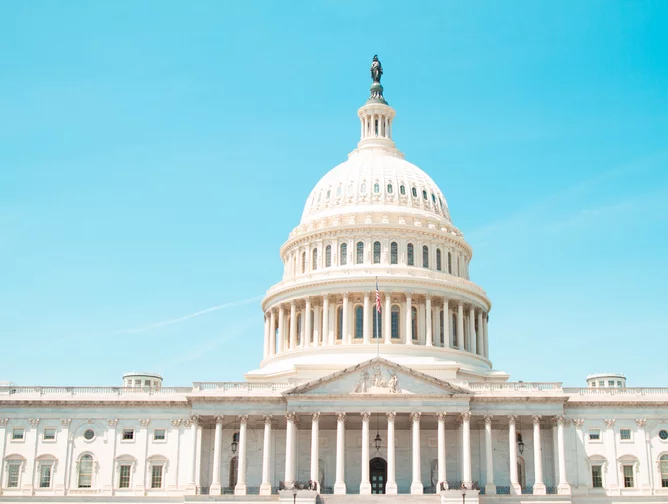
463 488
294 494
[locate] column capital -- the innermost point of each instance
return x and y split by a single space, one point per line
144 422
315 416
65 422
415 417
325 297
113 422
641 422
194 419
561 420
307 299
441 416
466 415
365 415
243 419
427 297
176 422
488 419
268 419
578 422
345 296
219 419
536 419
512 419
391 415
341 416
291 417
34 422
367 295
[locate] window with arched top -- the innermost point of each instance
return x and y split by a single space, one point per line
438 260
389 189
414 319
232 479
449 263
299 328
395 320
414 192
425 256
343 256
85 479
328 256
376 188
442 329
663 467
360 252
45 466
14 469
410 256
339 323
455 336
303 262
359 322
376 252
402 190
314 265
394 253
424 195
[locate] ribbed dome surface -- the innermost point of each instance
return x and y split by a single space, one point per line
375 180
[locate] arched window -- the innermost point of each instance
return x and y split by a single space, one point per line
328 256
359 322
232 480
394 253
402 190
449 263
438 259
376 252
376 188
424 195
414 192
389 189
299 328
396 319
14 465
339 324
425 256
314 265
414 328
455 340
343 259
441 318
303 262
360 252
663 466
85 471
377 324
410 256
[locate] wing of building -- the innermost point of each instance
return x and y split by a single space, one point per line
376 378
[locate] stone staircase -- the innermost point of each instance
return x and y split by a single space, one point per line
379 499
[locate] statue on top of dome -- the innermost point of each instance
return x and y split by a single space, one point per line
376 69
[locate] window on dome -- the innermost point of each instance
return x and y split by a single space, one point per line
303 262
343 259
455 340
319 197
351 190
329 193
328 256
394 253
376 252
438 259
414 191
299 329
449 263
425 256
339 323
389 189
377 325
409 253
424 195
433 199
360 252
310 336
359 322
414 317
664 470
338 192
376 188
441 318
314 265
402 190
395 320
363 188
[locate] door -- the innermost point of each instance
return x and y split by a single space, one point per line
378 475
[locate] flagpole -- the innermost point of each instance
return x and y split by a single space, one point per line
377 338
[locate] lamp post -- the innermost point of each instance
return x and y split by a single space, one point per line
294 494
463 488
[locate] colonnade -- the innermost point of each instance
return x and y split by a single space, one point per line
463 420
352 318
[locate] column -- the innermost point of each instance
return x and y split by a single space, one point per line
428 317
289 447
646 482
387 320
416 485
272 333
265 486
240 489
365 485
447 312
611 452
192 485
346 320
325 321
484 327
563 488
266 336
480 345
340 483
539 485
316 326
442 480
315 454
466 449
366 329
293 325
472 342
437 328
490 487
391 485
215 485
281 329
421 324
582 466
308 325
515 488
460 326
408 319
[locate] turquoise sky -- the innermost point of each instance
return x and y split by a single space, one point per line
155 155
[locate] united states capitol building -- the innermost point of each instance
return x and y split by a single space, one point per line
360 390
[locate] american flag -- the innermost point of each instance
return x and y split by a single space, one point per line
377 298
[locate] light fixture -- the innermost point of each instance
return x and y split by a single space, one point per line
294 493
463 489
377 441
235 442
520 442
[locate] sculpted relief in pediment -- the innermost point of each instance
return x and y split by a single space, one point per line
378 383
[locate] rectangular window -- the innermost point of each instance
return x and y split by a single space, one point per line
45 476
156 476
594 435
124 476
611 383
147 383
601 383
625 434
619 384
17 433
597 476
628 476
128 434
159 435
13 475
49 434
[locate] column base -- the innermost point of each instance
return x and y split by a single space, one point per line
240 490
391 488
417 488
215 489
191 489
339 488
365 488
515 489
539 489
564 489
490 489
265 489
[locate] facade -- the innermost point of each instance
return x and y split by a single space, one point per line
376 378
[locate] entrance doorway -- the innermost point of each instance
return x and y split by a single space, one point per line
378 475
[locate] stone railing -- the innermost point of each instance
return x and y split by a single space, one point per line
13 390
242 386
517 387
627 391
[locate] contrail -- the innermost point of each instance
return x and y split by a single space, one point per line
187 317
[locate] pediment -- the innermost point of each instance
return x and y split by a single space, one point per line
378 377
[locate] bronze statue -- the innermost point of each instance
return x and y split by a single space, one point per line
376 69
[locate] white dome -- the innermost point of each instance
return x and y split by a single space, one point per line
375 180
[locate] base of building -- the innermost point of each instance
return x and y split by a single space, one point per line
339 488
417 488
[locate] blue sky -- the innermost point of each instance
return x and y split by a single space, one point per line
155 155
